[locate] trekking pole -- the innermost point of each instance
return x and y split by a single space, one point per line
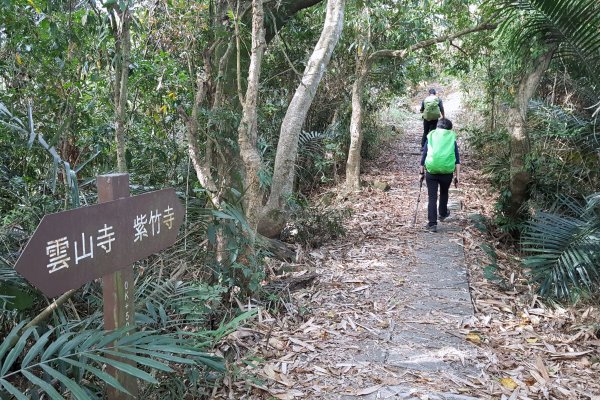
418 199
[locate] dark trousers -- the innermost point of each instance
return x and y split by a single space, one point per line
434 181
428 126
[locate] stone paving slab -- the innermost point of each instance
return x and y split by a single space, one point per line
435 301
406 393
424 340
411 346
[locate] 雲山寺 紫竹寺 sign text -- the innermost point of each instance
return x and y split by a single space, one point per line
71 248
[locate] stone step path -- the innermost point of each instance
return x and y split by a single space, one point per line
385 320
436 301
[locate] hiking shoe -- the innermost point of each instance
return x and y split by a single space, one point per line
445 217
431 228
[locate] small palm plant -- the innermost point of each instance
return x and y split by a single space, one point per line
564 248
69 360
57 362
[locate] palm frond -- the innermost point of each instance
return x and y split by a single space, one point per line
8 120
170 304
56 362
559 119
572 24
564 250
9 276
311 141
580 130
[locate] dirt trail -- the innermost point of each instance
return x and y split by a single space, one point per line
384 318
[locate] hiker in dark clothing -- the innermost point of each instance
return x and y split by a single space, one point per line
431 110
441 160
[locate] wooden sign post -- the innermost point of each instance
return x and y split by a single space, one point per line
118 288
74 247
71 248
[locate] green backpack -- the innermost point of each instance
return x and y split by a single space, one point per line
431 109
441 158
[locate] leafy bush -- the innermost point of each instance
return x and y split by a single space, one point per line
564 157
320 155
237 258
374 138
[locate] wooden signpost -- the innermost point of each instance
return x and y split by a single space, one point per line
117 287
71 248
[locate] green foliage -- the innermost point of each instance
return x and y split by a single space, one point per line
13 297
570 24
527 29
56 362
162 305
564 157
479 221
320 155
237 265
492 150
167 304
375 137
490 270
564 248
196 381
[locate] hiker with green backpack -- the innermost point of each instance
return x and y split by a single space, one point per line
431 110
441 161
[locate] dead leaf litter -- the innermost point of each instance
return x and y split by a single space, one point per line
513 346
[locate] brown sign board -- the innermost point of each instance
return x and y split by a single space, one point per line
71 248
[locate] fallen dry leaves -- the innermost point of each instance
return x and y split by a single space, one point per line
524 348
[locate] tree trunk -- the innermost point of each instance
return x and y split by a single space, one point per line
202 164
247 130
272 220
356 133
120 22
198 161
218 155
520 176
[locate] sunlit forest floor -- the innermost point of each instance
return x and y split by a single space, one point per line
397 312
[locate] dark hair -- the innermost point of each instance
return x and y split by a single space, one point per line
444 123
432 91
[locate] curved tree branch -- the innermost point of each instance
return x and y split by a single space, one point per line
425 43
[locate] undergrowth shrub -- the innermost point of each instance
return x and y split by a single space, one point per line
236 261
563 159
492 151
312 225
171 297
375 137
559 233
320 157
